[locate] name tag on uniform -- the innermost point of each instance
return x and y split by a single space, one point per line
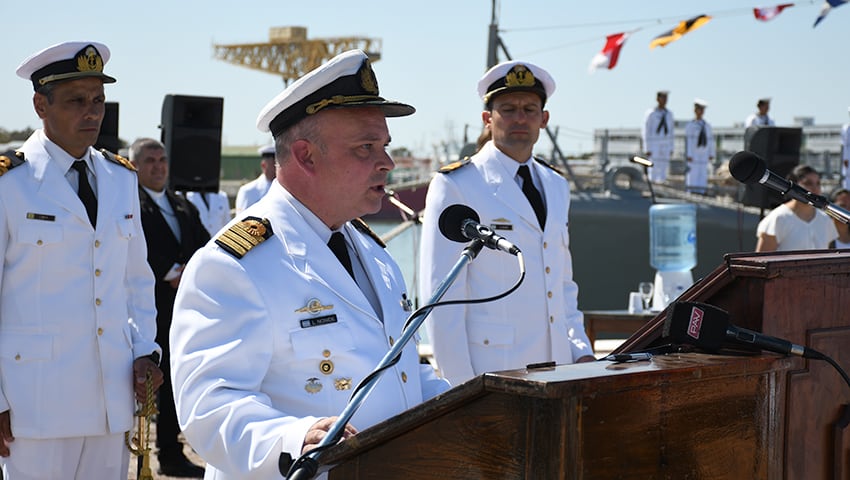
318 321
501 223
41 216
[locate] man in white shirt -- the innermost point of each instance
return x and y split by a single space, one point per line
657 137
254 190
213 208
699 149
760 118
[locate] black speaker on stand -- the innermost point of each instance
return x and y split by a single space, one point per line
191 133
780 149
108 136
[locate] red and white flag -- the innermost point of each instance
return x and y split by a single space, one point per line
769 13
607 58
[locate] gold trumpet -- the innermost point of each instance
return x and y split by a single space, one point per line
139 444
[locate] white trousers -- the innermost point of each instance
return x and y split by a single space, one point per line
103 457
696 179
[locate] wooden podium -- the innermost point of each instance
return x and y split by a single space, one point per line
682 415
802 297
674 417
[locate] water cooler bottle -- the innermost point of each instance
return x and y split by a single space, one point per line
672 250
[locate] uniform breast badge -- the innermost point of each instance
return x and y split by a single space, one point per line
314 307
326 367
342 384
313 385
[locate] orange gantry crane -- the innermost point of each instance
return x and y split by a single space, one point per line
290 54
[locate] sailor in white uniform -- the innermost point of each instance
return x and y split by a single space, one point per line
254 190
77 312
699 149
213 208
760 118
539 322
657 137
291 306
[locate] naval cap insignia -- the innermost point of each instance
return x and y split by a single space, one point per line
519 76
90 60
314 307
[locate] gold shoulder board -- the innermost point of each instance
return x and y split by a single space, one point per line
115 158
245 235
10 160
359 224
455 165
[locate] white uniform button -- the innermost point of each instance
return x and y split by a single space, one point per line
97 272
39 242
545 244
99 331
403 377
97 301
96 243
486 342
18 356
548 270
392 341
551 319
549 294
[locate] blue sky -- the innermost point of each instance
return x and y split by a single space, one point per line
435 51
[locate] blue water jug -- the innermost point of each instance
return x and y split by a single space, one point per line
673 237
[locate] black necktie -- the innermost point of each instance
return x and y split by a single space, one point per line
533 195
662 125
337 245
85 192
702 140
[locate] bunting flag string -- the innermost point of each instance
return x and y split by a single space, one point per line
608 57
685 26
766 14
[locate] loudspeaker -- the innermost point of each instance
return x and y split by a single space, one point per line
780 149
191 133
108 136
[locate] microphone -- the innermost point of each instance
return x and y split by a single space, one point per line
707 326
747 167
459 223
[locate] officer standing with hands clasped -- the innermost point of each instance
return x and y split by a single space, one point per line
294 303
525 200
77 315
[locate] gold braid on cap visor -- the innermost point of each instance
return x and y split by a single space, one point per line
338 100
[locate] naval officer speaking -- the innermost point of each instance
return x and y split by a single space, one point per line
296 301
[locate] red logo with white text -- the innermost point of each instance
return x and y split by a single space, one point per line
695 324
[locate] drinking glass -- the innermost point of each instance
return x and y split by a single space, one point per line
645 289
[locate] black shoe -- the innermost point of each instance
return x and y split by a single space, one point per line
179 467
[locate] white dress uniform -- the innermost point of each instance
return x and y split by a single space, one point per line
213 208
538 322
76 303
700 149
264 345
756 120
252 192
845 156
657 137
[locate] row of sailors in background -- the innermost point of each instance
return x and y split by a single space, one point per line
657 140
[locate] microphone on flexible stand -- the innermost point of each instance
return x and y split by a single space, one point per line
708 327
747 167
460 224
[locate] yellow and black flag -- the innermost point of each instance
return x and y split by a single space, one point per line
685 26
